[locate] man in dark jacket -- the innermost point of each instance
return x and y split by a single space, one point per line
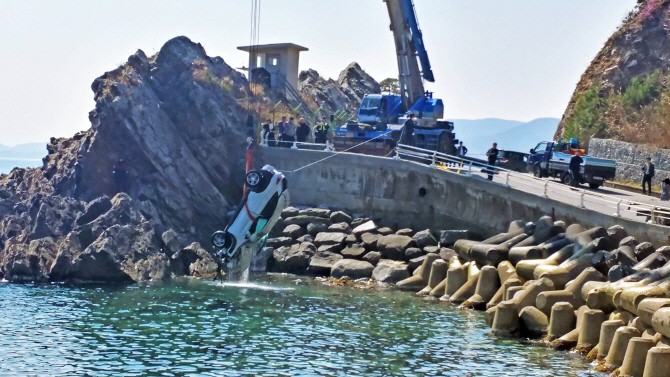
648 172
302 131
408 130
492 155
281 127
575 168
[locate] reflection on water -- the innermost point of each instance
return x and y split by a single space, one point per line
274 326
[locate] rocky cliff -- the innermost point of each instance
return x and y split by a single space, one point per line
346 93
176 119
624 94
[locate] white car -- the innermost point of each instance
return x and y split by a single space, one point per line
257 213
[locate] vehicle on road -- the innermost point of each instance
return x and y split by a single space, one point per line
510 160
551 159
256 215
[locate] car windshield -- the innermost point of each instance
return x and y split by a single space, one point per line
370 103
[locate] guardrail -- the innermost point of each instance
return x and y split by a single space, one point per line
542 187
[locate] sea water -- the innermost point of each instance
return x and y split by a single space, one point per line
272 325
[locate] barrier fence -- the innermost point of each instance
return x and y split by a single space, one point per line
542 187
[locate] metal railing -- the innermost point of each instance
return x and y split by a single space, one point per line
543 187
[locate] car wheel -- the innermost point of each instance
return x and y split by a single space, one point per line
566 178
594 185
537 171
219 239
253 179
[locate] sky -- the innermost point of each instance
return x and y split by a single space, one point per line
510 59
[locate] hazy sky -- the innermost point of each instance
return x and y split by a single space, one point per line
512 59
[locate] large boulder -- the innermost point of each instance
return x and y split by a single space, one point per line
352 268
389 271
394 246
316 212
276 243
340 227
294 259
424 238
259 261
322 263
366 227
340 217
449 237
370 240
373 257
356 251
289 212
294 231
315 228
330 238
171 243
304 220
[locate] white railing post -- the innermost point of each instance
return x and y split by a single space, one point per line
507 178
397 154
470 169
618 208
546 189
432 165
581 199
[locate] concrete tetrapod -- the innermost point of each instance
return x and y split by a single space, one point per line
657 363
545 301
649 306
589 330
561 321
629 299
487 286
534 323
506 319
467 290
619 345
457 276
438 272
419 281
528 296
505 272
607 330
660 321
569 340
636 357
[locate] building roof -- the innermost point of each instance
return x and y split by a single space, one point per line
272 47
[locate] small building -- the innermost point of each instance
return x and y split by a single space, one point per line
279 59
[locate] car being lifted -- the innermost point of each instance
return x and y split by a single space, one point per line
255 216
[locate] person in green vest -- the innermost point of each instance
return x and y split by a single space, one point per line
321 131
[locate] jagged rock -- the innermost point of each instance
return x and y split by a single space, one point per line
328 238
446 254
629 241
351 239
278 228
323 262
394 246
370 240
316 212
294 259
306 238
290 212
358 221
303 220
95 209
171 241
366 227
355 251
424 238
340 217
355 269
449 237
385 231
293 231
334 248
55 217
373 257
431 249
340 227
204 265
415 263
315 228
276 243
405 232
389 271
413 252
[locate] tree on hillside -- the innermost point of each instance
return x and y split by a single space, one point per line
390 86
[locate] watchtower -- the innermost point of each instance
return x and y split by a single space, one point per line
279 59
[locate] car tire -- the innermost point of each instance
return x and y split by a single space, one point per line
537 170
253 180
566 178
594 185
220 239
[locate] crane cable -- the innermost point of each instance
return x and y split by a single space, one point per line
254 39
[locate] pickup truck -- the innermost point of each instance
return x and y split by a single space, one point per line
551 159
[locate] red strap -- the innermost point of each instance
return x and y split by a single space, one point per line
246 206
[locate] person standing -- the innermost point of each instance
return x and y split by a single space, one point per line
406 137
665 189
492 155
462 150
120 174
289 133
575 168
321 131
281 127
303 131
269 133
648 173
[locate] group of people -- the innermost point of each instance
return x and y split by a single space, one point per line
287 132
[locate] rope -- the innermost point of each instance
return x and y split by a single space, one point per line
335 154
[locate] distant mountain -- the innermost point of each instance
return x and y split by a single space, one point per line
22 156
478 135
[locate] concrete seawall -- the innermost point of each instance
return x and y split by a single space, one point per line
410 193
630 157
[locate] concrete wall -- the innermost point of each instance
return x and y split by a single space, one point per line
391 190
630 157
